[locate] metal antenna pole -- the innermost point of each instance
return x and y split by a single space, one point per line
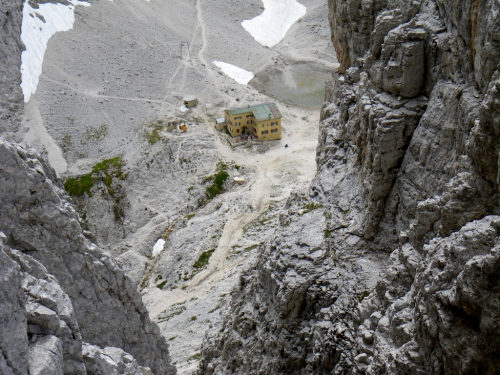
189 51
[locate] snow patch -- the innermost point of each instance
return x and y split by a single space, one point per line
271 26
241 76
158 247
37 28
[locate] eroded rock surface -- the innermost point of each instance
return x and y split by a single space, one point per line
40 332
73 290
402 212
11 95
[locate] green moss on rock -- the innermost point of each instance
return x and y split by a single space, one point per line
203 259
105 170
217 180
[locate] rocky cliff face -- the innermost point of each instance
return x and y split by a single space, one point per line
42 335
65 306
64 290
11 96
389 264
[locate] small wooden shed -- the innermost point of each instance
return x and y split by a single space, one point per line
190 101
220 123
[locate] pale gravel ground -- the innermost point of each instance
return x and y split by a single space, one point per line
121 66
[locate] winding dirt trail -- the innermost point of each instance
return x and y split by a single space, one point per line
232 232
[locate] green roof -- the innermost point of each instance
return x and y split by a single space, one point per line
266 111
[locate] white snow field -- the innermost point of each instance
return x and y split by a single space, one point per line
158 247
37 28
240 75
271 26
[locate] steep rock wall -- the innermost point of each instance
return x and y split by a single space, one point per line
404 204
59 291
40 333
11 96
37 220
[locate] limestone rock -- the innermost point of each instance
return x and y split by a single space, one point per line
112 361
42 333
14 346
45 356
400 69
11 96
37 219
408 182
46 336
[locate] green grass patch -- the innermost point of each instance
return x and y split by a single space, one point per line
203 259
66 143
96 134
190 216
214 309
251 247
363 295
327 232
247 249
80 185
161 285
193 318
112 166
217 180
152 131
104 170
195 357
311 206
264 221
165 317
333 254
117 209
153 137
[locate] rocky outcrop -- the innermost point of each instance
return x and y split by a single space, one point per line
270 333
14 347
443 319
407 183
11 96
111 361
84 295
41 332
